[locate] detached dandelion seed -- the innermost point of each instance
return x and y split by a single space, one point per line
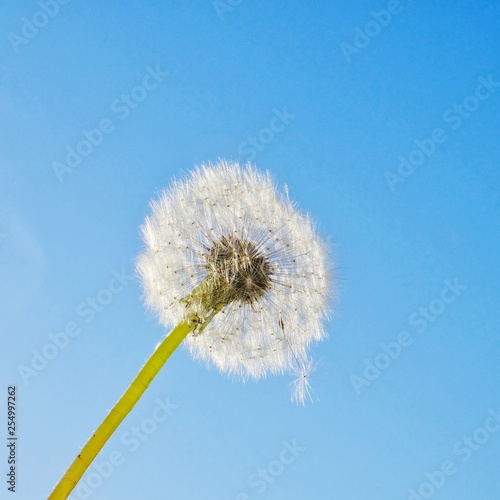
241 275
302 390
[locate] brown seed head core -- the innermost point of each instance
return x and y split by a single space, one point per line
239 270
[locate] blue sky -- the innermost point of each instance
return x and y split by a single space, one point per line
389 139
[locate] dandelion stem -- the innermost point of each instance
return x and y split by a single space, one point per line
122 408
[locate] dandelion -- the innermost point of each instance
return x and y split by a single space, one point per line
226 233
243 275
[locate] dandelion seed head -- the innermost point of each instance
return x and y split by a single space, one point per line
225 240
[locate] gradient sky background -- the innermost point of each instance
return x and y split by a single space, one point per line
61 241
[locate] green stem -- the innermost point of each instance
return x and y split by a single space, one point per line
122 409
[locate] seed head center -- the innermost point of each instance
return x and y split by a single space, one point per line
239 270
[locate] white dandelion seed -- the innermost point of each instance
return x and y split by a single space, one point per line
259 270
302 390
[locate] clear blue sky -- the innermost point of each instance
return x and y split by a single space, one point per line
416 246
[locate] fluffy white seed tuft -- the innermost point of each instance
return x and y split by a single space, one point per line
249 255
302 391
